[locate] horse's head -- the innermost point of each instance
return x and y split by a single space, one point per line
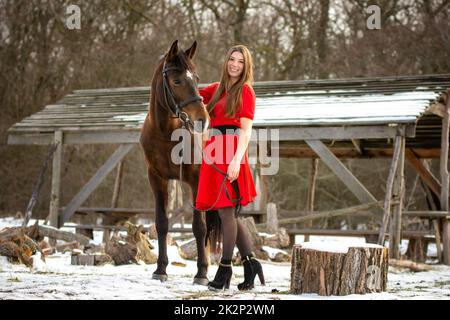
180 87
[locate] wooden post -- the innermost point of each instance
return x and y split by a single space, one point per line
56 182
264 192
395 236
311 191
38 186
115 199
255 204
389 186
423 171
444 180
433 206
272 218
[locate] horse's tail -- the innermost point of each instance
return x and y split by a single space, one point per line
213 230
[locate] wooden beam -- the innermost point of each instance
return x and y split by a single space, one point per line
398 194
357 144
427 214
30 138
304 152
344 132
112 136
355 186
433 204
389 186
311 190
38 186
56 179
445 180
356 233
117 136
423 172
94 182
114 200
355 210
437 108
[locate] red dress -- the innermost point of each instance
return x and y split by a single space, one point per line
217 151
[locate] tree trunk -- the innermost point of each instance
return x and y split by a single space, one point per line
339 271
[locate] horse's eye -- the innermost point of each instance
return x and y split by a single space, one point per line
177 82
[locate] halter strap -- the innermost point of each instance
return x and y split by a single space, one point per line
176 108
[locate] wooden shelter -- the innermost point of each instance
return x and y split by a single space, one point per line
403 118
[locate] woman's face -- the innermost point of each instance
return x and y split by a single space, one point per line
235 65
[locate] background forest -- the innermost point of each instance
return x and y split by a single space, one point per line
120 41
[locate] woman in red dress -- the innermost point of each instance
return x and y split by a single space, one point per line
226 182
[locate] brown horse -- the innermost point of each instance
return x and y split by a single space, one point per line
174 99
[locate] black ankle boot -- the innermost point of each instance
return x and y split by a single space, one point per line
252 267
223 276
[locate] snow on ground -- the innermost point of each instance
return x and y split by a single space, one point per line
58 279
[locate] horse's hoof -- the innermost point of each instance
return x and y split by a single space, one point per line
160 277
201 281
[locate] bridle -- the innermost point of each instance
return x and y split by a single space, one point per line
174 107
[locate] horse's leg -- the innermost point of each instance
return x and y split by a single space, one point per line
159 187
199 230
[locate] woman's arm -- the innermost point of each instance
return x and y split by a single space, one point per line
244 139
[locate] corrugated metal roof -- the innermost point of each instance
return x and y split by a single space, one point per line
280 103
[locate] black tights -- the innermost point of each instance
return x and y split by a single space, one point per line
234 233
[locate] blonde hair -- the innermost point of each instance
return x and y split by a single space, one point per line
234 97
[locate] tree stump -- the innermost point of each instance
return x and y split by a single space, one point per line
329 268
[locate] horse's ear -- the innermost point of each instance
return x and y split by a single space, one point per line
191 51
173 51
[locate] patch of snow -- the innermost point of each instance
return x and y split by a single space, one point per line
272 252
58 279
337 247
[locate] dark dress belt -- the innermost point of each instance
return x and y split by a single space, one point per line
215 131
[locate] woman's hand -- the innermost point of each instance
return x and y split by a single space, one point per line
233 170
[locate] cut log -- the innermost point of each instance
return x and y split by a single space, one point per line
101 259
91 259
121 251
408 264
256 240
82 260
279 240
134 247
54 233
417 249
335 269
136 236
16 245
188 250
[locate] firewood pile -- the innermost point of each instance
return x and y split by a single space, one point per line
20 244
17 245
